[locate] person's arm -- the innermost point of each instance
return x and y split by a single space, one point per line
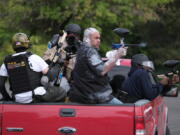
168 83
98 66
39 64
3 78
45 71
113 59
164 80
151 91
3 89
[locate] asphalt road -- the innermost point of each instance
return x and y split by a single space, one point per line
173 104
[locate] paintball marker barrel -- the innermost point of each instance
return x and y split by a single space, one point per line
118 45
122 32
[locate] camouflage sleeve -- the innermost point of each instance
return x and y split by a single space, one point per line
49 54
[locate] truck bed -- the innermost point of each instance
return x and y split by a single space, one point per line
57 118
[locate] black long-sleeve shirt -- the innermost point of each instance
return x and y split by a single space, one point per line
139 85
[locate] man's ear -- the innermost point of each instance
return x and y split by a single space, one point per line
87 40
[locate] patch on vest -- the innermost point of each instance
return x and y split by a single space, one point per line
13 65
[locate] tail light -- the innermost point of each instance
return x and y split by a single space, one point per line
139 125
0 123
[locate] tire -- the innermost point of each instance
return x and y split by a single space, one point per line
167 131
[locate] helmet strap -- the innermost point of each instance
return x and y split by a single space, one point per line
20 49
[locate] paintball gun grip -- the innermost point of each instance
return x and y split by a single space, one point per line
61 40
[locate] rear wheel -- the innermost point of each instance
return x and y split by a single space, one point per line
167 131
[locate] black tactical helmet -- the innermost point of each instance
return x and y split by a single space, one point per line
139 58
20 40
142 60
73 28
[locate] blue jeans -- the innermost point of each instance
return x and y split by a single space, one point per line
115 101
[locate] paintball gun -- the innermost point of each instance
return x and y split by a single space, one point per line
173 66
122 32
172 89
56 59
69 48
59 47
57 41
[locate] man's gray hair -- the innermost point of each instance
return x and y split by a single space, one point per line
87 33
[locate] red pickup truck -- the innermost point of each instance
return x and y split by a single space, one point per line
141 118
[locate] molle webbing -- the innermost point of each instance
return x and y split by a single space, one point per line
21 77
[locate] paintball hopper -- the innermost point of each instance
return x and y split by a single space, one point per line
122 32
171 63
173 66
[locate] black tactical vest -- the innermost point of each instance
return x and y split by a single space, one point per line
21 77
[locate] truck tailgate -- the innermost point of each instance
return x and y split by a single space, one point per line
58 119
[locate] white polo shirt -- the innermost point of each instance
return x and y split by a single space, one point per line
36 64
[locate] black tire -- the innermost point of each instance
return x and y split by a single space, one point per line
167 131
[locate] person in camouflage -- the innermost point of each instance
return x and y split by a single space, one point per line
68 48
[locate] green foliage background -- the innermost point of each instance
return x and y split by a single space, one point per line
153 21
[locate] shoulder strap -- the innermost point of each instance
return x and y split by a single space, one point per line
28 54
6 58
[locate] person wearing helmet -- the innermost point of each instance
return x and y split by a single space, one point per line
73 43
70 46
24 71
141 83
90 81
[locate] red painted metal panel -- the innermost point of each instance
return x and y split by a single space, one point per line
1 114
88 120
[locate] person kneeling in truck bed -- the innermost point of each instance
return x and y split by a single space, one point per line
24 71
90 82
141 83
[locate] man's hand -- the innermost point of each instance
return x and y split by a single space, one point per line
175 78
164 80
122 51
172 80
